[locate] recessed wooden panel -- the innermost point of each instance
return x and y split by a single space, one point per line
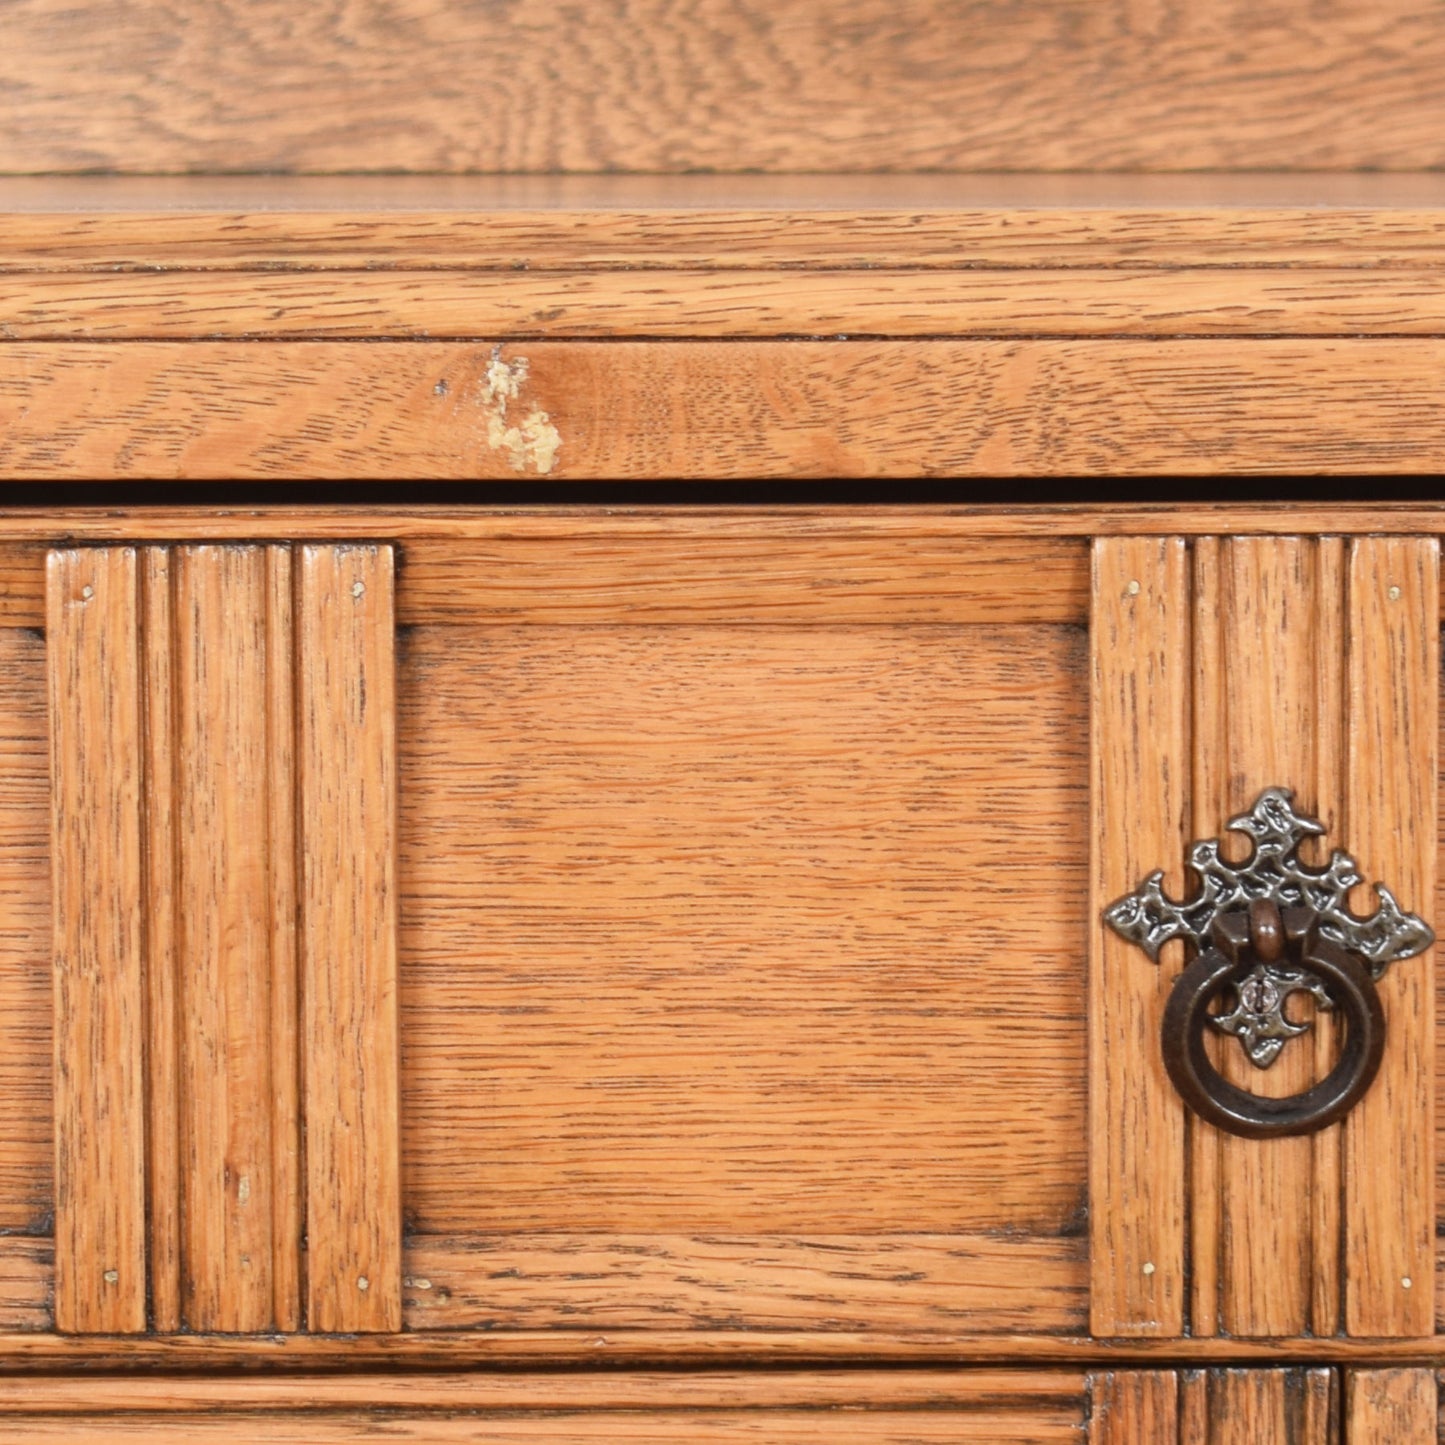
765 932
724 85
27 1143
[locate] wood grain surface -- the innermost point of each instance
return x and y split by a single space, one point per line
538 223
723 85
710 575
93 661
646 1047
27 1143
1259 1407
1391 1407
719 410
234 861
1018 1425
347 894
1392 811
863 1282
1134 1407
876 302
662 528
1140 690
1270 656
166 1023
27 1279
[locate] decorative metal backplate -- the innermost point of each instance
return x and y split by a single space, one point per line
1273 871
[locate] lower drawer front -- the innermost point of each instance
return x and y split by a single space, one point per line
1001 1407
1222 1406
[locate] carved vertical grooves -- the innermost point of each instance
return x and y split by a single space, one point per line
1313 666
179 845
159 858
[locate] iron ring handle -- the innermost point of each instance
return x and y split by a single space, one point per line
1253 1116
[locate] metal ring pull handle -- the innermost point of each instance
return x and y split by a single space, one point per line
1262 931
1236 964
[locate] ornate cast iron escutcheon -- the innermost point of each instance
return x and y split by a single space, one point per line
1261 931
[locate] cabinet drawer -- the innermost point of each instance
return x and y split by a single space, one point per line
589 935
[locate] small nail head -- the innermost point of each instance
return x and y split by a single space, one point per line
358 588
363 1283
1132 590
87 592
1407 1282
111 1276
1149 1266
1394 594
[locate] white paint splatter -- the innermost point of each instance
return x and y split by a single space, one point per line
532 445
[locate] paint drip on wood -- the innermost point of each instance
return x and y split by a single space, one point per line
531 443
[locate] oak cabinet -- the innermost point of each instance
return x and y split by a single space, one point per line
530 937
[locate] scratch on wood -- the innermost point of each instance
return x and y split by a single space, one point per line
536 441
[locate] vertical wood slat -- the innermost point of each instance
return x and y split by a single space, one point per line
1326 1163
229 853
1392 828
93 661
1134 1407
1266 1407
1209 765
162 945
1391 1407
1268 677
347 785
1140 785
287 1221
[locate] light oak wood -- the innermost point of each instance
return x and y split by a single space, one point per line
1392 807
166 1022
27 1145
288 1208
730 85
1265 651
857 303
234 895
865 1282
93 661
27 1277
1134 1407
345 713
706 1389
719 410
1260 1407
1140 688
1038 1425
674 1033
665 527
1391 1407
530 224
710 575
429 1350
